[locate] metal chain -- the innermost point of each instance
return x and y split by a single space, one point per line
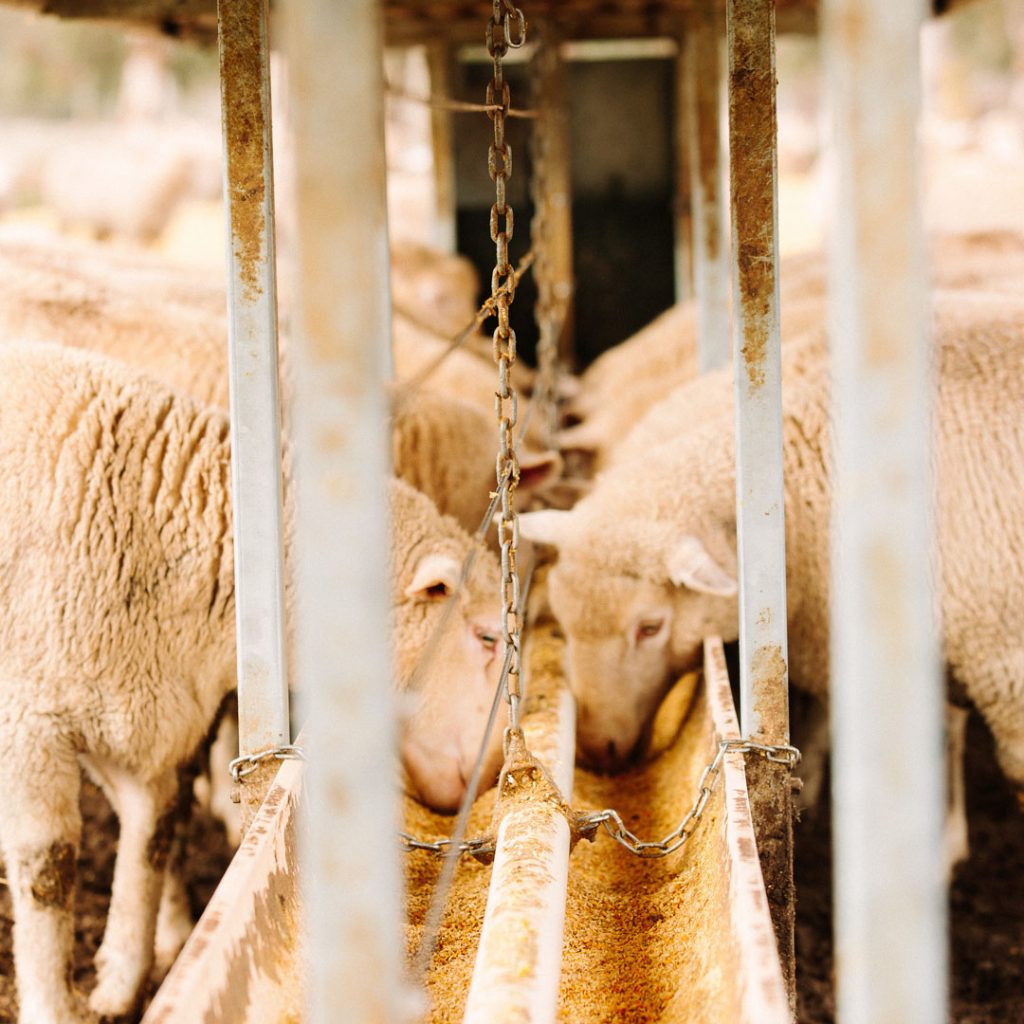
487 309
585 826
245 765
506 29
546 312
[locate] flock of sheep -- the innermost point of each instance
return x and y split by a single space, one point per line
116 573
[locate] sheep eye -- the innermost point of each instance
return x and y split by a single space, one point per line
489 640
648 629
436 591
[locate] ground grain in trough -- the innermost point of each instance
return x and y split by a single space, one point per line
643 941
630 953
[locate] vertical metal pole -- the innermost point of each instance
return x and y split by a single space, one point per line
682 207
552 154
351 880
439 64
255 415
710 252
760 514
887 687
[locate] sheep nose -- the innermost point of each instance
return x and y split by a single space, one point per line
604 755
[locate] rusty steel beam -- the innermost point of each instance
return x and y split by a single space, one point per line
255 411
552 152
441 67
710 248
682 205
760 513
887 684
351 875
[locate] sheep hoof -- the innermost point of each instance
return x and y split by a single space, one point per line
173 927
117 986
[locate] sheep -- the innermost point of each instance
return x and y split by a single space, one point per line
173 323
117 644
461 373
631 377
434 287
447 449
452 680
639 373
647 561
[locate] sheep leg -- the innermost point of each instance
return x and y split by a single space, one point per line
40 828
957 845
174 919
147 813
994 680
813 736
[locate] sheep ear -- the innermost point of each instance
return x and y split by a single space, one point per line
435 578
550 526
690 565
536 468
583 437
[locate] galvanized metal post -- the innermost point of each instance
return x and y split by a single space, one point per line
710 251
760 513
351 876
887 687
440 60
682 207
255 414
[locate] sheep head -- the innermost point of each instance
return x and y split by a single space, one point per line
635 600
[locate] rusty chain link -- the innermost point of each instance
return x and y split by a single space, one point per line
585 826
506 29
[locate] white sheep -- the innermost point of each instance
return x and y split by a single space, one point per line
451 680
117 644
447 449
647 561
618 388
433 286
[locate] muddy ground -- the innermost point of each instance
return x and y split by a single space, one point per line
987 903
207 855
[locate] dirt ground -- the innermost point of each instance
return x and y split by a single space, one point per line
207 856
986 904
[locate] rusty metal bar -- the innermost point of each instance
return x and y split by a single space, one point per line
760 513
255 412
440 65
710 253
351 875
558 178
682 208
518 963
551 190
887 685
